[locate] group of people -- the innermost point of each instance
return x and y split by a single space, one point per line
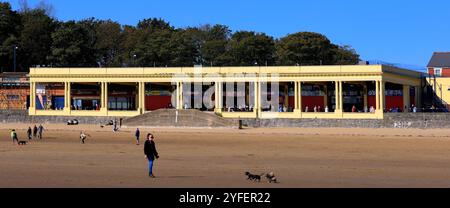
282 108
35 133
240 108
150 152
412 109
327 110
317 109
79 107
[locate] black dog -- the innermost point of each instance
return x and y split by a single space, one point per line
22 142
253 177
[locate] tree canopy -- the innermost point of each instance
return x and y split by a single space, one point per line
45 41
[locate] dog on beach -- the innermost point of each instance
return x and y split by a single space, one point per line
253 177
271 177
22 142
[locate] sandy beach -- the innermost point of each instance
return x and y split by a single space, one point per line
197 157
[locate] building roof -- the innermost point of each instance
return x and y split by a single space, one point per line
440 59
14 77
6 74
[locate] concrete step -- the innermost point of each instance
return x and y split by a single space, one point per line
184 118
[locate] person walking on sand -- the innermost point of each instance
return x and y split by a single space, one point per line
14 136
40 130
137 134
35 131
29 133
83 136
150 153
114 126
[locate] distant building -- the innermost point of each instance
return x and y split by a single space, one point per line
439 64
14 90
15 93
439 77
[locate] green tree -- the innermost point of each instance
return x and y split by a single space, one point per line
35 38
9 21
183 49
213 46
72 45
154 24
196 38
304 48
152 42
250 48
128 45
344 55
109 38
153 49
9 32
149 44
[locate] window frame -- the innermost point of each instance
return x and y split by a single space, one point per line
437 74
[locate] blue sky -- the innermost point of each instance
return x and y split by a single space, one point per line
395 31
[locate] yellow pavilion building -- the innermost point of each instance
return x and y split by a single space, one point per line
332 92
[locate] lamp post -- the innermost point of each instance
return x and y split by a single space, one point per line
14 49
134 59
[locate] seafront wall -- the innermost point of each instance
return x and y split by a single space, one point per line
391 120
21 116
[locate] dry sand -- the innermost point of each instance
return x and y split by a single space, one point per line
219 157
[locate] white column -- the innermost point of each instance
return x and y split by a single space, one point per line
296 108
104 98
382 95
32 108
338 97
65 95
365 96
33 95
67 101
141 97
218 96
341 97
180 95
102 95
299 87
257 107
377 95
69 92
177 96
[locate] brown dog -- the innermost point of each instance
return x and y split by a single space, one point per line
271 178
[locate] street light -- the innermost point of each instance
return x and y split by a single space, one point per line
134 59
14 49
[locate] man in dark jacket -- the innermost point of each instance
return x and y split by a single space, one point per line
150 153
40 130
29 133
35 131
